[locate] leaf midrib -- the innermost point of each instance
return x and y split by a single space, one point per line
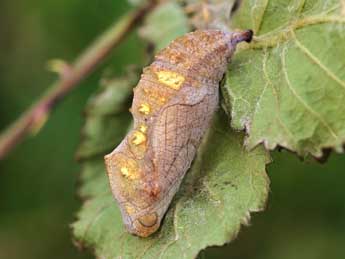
286 32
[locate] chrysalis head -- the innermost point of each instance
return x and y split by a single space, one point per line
246 36
234 38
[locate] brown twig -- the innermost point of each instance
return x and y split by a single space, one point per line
70 76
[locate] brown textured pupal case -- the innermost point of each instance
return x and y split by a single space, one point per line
173 105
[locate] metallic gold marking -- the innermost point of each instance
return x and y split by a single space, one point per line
171 79
143 128
130 174
162 100
144 108
124 171
128 167
129 209
138 138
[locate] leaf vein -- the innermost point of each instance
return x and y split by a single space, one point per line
316 61
260 19
299 98
284 33
275 93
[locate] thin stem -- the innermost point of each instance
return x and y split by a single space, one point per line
70 77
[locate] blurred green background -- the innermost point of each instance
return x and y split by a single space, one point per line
305 215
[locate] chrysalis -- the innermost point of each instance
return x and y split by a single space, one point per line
173 104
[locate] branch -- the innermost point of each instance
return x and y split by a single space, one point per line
70 77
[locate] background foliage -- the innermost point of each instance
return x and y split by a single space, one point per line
305 216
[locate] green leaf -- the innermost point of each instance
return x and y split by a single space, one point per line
107 120
287 88
164 24
224 185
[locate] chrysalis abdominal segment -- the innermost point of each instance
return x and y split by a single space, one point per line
173 104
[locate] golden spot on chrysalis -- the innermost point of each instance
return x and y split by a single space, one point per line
130 210
143 128
138 138
124 171
171 79
155 96
162 100
127 167
137 142
144 108
129 173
